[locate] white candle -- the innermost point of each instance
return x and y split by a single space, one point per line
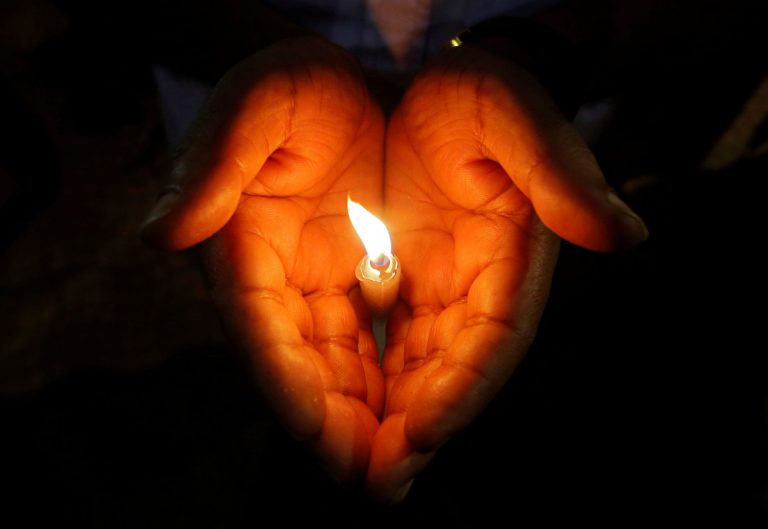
379 270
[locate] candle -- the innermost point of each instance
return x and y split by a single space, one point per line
379 270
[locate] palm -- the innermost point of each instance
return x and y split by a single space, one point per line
475 145
286 135
305 331
463 271
476 264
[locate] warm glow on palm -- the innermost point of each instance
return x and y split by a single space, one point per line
283 140
282 272
476 262
476 154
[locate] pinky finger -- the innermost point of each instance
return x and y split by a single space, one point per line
394 462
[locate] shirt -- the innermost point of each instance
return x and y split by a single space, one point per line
390 37
397 36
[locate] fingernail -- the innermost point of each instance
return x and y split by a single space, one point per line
628 219
401 493
162 207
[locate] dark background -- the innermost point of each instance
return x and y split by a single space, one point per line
643 398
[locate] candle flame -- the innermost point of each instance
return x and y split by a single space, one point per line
371 231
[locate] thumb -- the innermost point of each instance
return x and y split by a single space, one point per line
570 195
240 125
551 164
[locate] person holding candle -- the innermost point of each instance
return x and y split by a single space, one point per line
480 169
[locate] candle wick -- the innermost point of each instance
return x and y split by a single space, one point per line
380 263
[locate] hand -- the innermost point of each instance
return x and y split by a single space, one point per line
480 166
267 168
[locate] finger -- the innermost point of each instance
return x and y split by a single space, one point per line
369 355
273 323
273 126
503 308
474 124
344 442
393 462
238 128
550 163
349 351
